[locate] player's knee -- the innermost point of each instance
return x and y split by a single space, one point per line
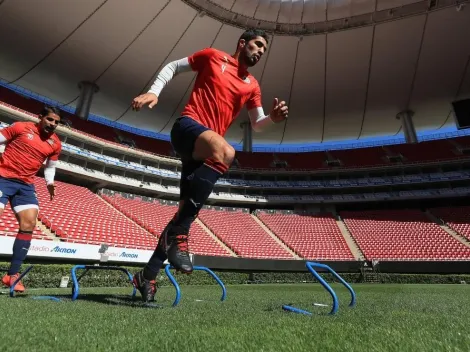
27 224
229 155
225 154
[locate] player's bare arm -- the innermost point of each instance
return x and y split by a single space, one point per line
170 71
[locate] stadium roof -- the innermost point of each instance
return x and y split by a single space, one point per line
345 67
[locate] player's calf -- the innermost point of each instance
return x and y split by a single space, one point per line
202 182
20 251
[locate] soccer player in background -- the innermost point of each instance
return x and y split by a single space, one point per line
223 87
28 146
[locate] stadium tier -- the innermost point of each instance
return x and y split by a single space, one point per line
9 226
456 218
402 235
310 236
77 215
154 216
242 234
447 149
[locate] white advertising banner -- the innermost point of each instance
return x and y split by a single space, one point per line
54 249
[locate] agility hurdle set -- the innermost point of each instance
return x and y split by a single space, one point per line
87 268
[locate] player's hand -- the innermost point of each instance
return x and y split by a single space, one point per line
144 99
51 189
280 111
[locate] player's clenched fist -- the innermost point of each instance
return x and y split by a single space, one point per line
280 111
144 99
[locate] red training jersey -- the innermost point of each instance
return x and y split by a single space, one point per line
26 151
221 90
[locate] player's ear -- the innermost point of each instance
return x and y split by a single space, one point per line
241 43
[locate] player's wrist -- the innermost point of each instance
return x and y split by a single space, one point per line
270 117
153 92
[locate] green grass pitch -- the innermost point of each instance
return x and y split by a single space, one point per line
386 318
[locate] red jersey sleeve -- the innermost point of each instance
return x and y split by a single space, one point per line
12 131
200 58
255 99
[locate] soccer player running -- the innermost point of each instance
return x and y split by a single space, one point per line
223 86
28 146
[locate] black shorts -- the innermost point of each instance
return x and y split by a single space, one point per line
21 195
184 133
183 137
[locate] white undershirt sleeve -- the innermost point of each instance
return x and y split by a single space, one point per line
3 140
168 73
49 171
259 121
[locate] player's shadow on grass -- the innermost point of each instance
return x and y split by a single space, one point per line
109 299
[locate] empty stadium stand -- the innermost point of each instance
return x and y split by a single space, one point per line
242 234
458 218
9 225
154 216
310 236
80 216
402 235
364 157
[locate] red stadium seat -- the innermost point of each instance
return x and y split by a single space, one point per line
458 218
313 237
402 235
80 216
242 234
153 216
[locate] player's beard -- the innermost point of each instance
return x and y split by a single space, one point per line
249 60
48 129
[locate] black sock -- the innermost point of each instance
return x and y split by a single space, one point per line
20 250
202 182
155 262
188 167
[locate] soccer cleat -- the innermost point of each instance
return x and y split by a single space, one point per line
177 250
9 280
147 288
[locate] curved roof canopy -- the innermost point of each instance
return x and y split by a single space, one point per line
346 68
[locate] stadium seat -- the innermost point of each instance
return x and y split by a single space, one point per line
458 218
80 216
242 234
9 225
313 237
402 235
153 216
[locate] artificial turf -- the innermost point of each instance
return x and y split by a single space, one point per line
386 318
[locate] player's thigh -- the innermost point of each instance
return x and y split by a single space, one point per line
26 206
193 141
8 188
184 134
210 144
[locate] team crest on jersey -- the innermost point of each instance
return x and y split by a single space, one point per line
247 80
50 141
30 136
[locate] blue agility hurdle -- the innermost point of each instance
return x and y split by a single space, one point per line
334 309
87 268
202 268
